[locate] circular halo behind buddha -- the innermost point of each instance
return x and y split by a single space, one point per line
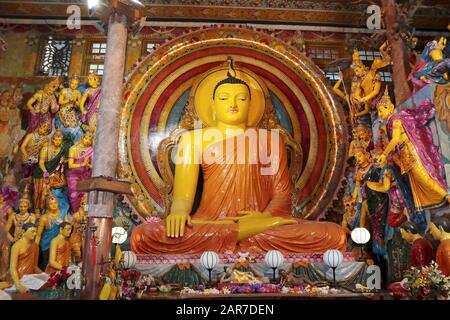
159 100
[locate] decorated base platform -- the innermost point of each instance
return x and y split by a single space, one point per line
186 270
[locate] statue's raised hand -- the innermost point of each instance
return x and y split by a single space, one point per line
176 223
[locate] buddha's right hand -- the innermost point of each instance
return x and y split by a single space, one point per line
176 223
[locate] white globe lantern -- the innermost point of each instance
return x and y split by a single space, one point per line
119 235
274 259
360 235
333 258
128 259
209 260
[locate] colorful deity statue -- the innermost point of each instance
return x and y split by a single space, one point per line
19 219
362 136
371 205
60 249
24 257
418 157
349 219
67 119
49 173
90 102
79 223
31 146
79 167
49 228
42 105
443 250
251 211
433 65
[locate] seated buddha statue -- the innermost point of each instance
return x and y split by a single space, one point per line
246 200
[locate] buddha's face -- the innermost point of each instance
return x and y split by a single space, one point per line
57 140
52 204
231 104
30 234
24 206
86 140
93 81
385 110
66 230
73 84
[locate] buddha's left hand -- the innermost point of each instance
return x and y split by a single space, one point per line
249 215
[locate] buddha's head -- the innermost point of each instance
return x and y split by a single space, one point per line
52 203
57 138
385 107
44 128
93 80
65 229
29 231
24 205
73 83
87 139
231 98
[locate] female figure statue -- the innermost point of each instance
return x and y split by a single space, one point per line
42 105
18 220
67 118
49 175
245 206
80 167
31 146
90 102
419 158
49 228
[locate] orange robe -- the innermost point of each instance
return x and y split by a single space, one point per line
28 261
62 257
231 185
443 256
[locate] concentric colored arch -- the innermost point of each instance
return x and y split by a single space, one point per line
154 98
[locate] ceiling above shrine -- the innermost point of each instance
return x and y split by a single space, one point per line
433 15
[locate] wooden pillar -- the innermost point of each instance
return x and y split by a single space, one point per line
101 203
399 53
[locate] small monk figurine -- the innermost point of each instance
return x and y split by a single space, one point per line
245 205
418 157
24 256
443 250
79 222
60 250
49 228
18 220
69 101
